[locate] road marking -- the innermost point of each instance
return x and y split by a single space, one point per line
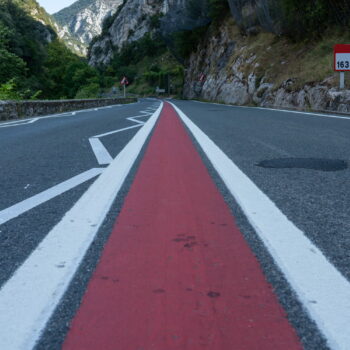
303 113
102 155
18 123
322 289
40 198
145 113
29 298
65 114
278 110
177 262
142 116
133 119
117 131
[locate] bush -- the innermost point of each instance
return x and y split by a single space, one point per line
186 42
154 21
294 18
89 91
8 91
66 73
218 9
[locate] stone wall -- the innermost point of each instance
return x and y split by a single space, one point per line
27 109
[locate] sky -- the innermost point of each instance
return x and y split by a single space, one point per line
52 6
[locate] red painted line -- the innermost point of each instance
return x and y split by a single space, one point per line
176 272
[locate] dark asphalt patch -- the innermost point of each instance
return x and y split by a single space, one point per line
305 163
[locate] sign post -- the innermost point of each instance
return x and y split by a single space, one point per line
342 61
124 82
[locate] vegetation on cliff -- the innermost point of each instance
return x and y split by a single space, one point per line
33 62
298 20
156 60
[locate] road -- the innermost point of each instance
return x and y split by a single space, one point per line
158 213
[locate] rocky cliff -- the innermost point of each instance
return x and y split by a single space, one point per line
264 70
83 20
44 24
50 28
134 19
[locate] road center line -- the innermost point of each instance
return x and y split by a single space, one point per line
32 202
321 288
29 298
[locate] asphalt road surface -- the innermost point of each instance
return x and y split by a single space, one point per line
175 225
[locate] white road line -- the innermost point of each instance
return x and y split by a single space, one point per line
12 125
146 113
33 120
32 202
119 130
14 122
20 122
102 155
29 298
322 289
279 110
133 119
141 116
302 113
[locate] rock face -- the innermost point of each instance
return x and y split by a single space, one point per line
46 26
51 28
133 21
83 20
218 71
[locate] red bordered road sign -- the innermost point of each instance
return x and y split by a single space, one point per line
124 81
342 58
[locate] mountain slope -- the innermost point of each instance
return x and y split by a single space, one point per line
134 20
34 10
33 62
83 20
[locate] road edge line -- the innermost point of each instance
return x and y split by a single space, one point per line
305 113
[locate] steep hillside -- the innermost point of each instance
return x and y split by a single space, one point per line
135 19
266 52
280 58
83 20
138 42
33 62
33 9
